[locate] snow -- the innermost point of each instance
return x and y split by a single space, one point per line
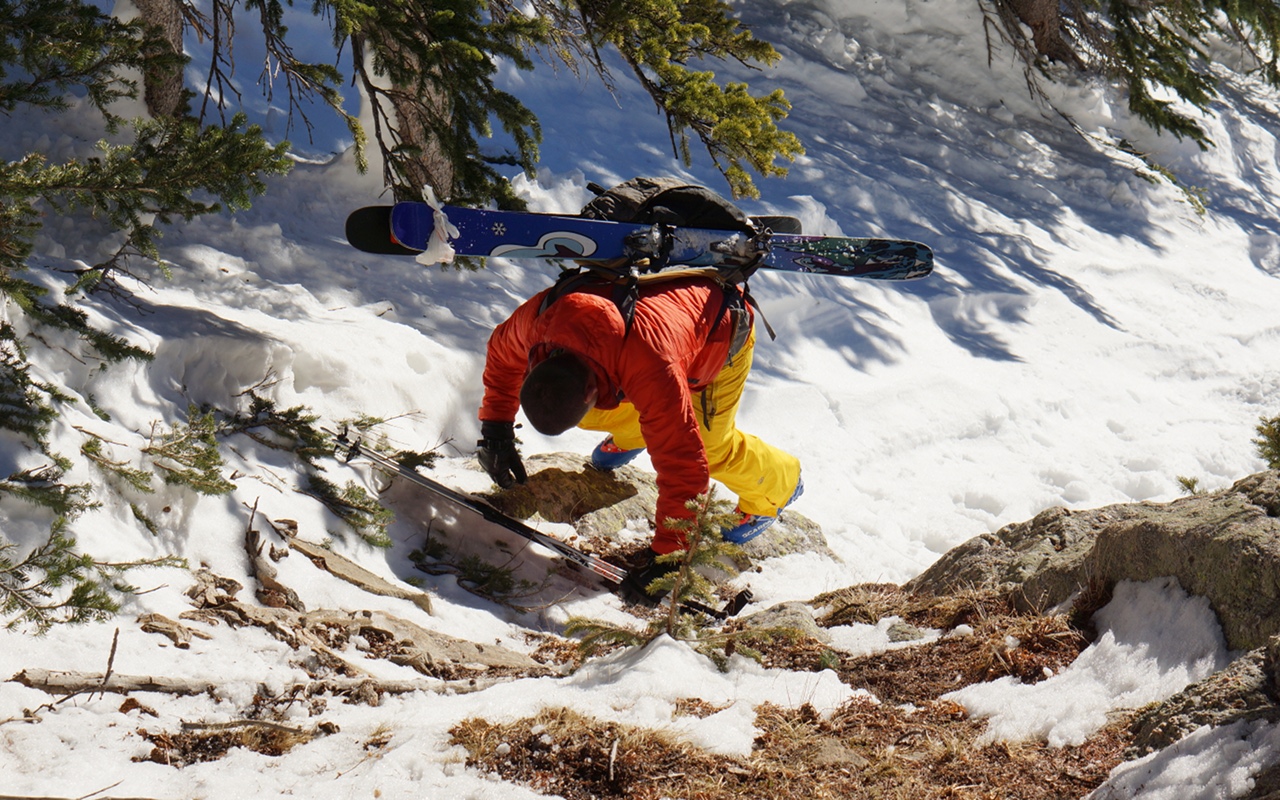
1208 764
1087 339
1153 640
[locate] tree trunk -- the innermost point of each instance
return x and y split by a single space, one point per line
415 108
430 166
1044 18
162 87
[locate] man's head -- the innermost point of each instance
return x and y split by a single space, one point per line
558 392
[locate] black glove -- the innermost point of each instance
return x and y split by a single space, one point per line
634 587
498 454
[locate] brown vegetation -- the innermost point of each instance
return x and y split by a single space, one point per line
906 742
865 750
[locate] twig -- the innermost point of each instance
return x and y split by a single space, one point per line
242 723
111 664
105 788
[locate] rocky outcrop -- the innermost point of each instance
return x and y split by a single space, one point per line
599 505
1224 546
1243 692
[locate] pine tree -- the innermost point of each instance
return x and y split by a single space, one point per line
690 589
1147 47
429 71
660 39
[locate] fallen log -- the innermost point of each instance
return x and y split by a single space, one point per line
70 682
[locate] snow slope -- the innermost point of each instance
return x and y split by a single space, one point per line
1088 338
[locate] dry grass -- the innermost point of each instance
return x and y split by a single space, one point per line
863 751
1003 641
911 746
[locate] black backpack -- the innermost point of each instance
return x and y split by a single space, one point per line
675 202
669 201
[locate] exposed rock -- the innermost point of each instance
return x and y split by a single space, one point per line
563 488
792 533
177 633
829 752
327 634
905 632
1266 784
795 616
409 644
1244 691
1224 546
342 567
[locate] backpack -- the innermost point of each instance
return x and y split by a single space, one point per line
669 201
665 201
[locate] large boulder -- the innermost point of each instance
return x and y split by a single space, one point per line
1224 546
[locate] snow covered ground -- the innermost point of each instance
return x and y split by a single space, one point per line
1087 339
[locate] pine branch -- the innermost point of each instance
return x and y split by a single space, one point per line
188 454
29 587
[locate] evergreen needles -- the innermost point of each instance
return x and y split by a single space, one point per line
34 591
188 454
29 585
707 553
1268 441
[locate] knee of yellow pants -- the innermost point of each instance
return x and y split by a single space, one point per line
622 423
762 476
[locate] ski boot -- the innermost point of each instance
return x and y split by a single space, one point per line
608 456
749 526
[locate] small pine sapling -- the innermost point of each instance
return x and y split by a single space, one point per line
1268 441
355 506
688 584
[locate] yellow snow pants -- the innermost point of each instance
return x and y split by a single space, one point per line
762 476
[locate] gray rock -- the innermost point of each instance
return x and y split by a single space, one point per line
1241 692
563 488
1224 546
904 632
796 616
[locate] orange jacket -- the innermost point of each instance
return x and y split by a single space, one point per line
674 349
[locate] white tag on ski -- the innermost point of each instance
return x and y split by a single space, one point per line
438 251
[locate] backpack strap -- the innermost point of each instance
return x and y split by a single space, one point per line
626 287
626 292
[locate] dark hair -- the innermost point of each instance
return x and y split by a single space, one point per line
557 393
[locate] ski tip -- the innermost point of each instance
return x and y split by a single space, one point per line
369 230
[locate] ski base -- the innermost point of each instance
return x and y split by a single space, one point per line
350 447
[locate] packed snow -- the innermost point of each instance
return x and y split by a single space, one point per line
1087 338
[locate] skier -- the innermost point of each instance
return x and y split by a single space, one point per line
670 379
